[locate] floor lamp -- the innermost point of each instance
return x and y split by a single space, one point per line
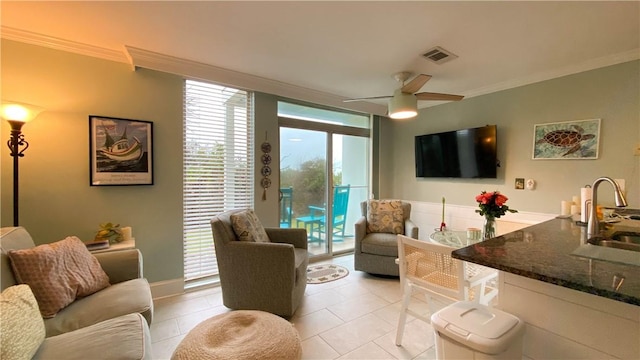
17 114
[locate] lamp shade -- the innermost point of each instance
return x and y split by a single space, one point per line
403 106
19 112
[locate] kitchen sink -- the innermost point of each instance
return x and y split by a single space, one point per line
618 246
627 237
624 240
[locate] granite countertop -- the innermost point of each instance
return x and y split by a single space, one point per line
547 252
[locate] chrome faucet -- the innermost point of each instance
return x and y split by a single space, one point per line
593 227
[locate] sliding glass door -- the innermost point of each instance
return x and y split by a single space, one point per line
320 195
303 183
350 168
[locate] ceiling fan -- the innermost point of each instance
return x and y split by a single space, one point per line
403 104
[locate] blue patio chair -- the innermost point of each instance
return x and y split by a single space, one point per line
315 222
286 207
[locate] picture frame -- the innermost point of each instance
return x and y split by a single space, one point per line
568 140
120 151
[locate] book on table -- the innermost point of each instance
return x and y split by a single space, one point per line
97 245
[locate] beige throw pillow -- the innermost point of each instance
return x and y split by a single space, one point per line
385 216
21 326
58 273
248 227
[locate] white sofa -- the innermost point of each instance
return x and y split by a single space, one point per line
98 325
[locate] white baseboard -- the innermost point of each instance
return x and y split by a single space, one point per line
166 288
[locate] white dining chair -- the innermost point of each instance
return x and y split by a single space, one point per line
430 270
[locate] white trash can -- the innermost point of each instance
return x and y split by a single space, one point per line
467 330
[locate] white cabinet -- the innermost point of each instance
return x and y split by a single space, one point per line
567 324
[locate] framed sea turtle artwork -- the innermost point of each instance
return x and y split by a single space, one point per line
120 151
577 140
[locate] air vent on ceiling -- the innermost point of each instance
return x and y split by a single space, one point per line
439 55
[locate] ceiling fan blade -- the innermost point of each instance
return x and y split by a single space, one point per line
367 98
416 84
438 96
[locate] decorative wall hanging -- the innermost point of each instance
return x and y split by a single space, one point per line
266 168
120 151
567 140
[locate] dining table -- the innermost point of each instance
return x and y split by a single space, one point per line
454 238
458 239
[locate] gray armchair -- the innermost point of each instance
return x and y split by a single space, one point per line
376 253
267 276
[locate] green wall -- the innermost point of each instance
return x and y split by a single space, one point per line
266 128
55 197
611 94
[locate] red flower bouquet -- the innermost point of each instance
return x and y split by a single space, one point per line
493 204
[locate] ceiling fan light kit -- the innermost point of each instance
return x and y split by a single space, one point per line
404 102
402 105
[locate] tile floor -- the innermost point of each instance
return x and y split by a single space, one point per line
351 318
345 244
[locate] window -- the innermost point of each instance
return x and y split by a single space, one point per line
218 167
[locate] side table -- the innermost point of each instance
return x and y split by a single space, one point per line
123 245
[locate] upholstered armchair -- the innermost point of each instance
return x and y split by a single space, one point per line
257 273
376 244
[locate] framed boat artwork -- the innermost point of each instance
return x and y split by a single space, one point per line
567 140
120 151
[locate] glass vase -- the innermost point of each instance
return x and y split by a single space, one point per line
489 228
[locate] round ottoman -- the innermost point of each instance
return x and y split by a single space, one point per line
241 334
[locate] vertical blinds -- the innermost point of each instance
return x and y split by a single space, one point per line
218 167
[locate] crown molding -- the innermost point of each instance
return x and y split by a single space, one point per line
559 72
191 69
140 58
61 44
147 59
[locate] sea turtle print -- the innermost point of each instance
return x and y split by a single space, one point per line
571 139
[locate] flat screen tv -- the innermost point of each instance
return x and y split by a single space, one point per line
467 153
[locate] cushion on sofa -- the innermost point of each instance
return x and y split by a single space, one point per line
124 337
131 296
248 227
380 244
58 273
385 216
21 325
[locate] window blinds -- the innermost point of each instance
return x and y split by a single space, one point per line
218 167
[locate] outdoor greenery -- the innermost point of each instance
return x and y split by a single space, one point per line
308 183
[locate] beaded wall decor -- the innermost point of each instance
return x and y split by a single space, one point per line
266 168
